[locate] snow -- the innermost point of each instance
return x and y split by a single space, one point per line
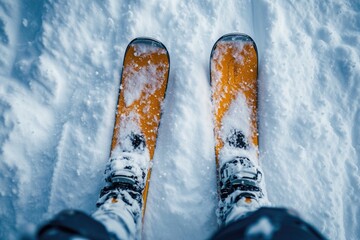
237 118
59 80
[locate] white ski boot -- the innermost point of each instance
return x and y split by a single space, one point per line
240 179
120 203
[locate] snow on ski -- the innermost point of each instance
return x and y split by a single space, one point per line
234 67
143 84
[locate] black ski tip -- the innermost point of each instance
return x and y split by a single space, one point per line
234 37
148 41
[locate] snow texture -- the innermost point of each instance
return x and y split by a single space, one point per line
59 79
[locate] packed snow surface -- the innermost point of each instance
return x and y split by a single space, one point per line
60 71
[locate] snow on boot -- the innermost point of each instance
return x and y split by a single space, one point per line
240 179
240 190
121 201
127 169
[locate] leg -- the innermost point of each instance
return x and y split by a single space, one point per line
70 224
120 212
118 217
269 223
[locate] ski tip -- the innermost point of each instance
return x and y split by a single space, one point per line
148 41
234 37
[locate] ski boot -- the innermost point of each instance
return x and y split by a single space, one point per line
121 200
239 179
143 81
123 171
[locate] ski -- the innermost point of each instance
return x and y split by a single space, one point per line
233 75
143 85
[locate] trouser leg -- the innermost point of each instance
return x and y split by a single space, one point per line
70 224
121 215
269 223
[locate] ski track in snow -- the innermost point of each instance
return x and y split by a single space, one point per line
59 80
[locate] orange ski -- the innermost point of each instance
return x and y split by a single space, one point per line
234 69
143 85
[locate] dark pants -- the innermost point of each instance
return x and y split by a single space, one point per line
269 223
265 223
